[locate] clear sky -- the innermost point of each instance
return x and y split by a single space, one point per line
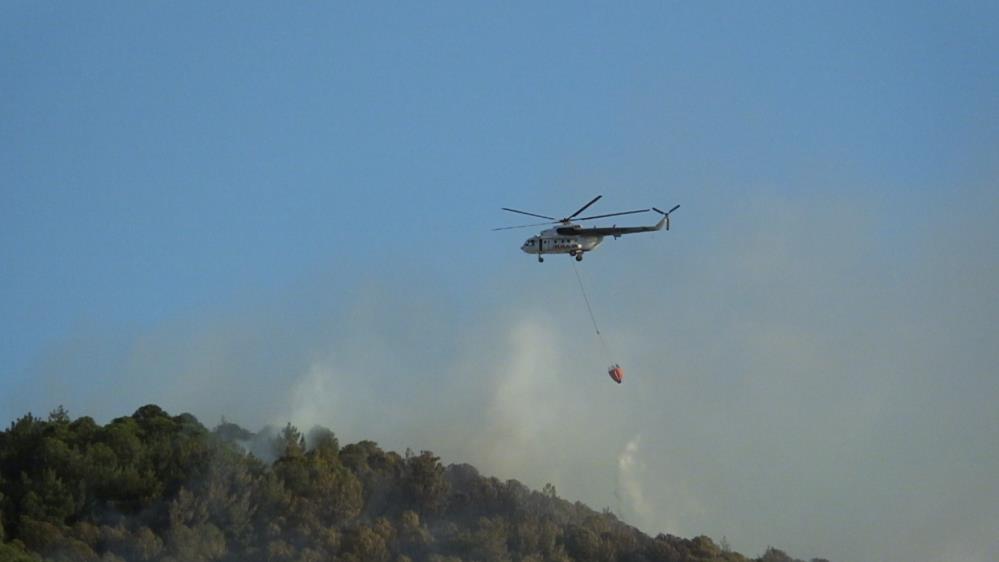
274 214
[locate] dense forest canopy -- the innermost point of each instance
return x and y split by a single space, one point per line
155 487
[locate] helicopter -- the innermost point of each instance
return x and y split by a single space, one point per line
575 240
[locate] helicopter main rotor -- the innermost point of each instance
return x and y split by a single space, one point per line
568 219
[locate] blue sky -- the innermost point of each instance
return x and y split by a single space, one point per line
177 179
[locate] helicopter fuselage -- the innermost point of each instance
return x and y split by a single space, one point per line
552 242
574 240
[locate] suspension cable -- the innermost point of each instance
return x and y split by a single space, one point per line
589 309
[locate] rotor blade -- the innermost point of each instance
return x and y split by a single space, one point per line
528 214
612 215
583 208
525 225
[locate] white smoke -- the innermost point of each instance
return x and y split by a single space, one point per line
630 474
508 402
521 410
315 399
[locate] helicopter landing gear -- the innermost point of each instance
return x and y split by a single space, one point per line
579 256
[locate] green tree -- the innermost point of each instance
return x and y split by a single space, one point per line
231 433
425 487
47 498
490 540
290 443
582 544
366 544
201 543
39 536
10 552
323 441
413 537
703 547
154 488
775 555
122 437
142 544
59 415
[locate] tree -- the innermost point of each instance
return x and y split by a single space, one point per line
203 542
365 544
425 487
703 547
231 433
140 545
290 443
154 488
59 415
48 498
323 441
10 552
39 536
775 555
413 537
122 436
582 544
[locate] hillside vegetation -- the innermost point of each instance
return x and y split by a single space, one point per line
155 487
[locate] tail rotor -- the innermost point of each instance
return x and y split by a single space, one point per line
666 214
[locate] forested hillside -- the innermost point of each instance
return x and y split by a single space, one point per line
155 487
